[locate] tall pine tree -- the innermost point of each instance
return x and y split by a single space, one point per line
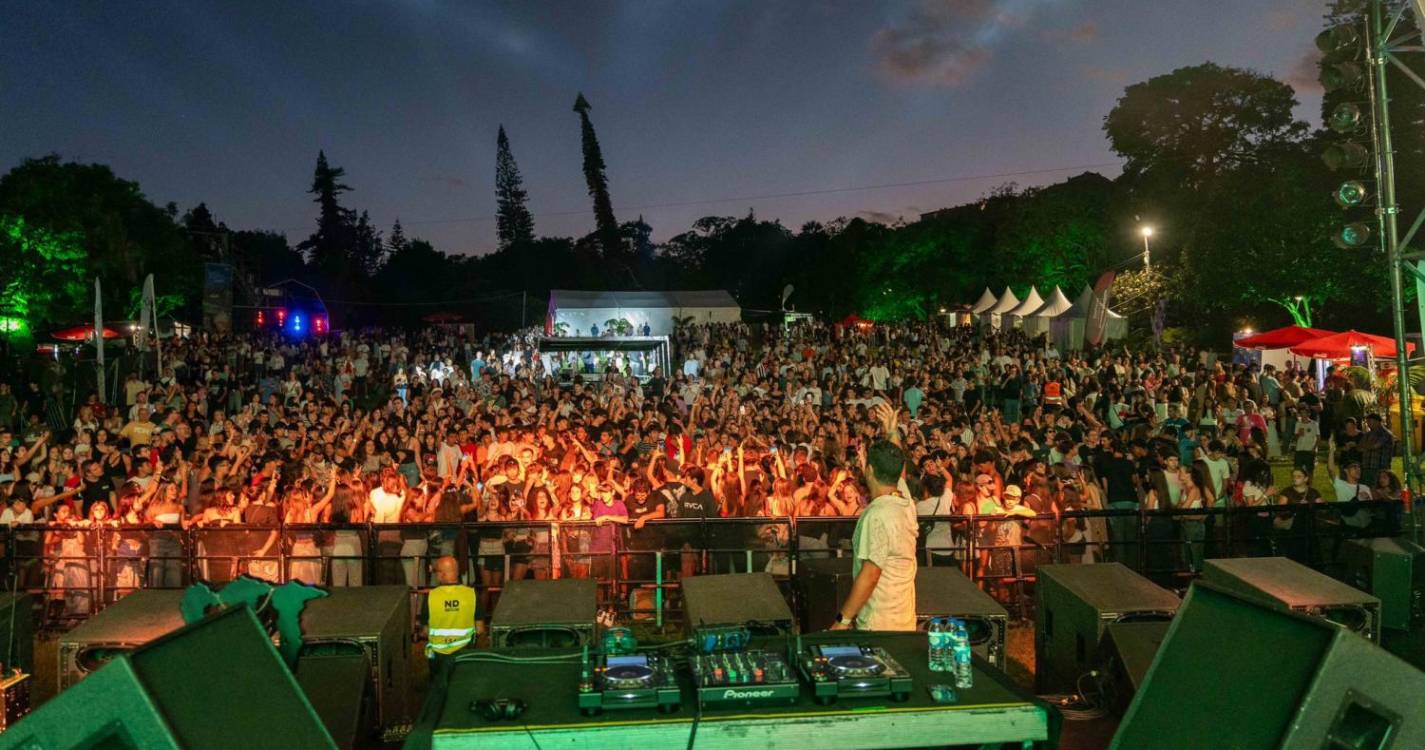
606 227
329 248
397 241
514 224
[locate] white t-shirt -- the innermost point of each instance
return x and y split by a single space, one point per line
886 534
387 506
1307 435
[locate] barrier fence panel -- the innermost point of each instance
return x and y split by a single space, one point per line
79 569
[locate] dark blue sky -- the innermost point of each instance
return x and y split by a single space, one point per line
694 101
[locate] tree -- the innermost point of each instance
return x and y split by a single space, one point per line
1197 122
1058 235
329 248
123 235
397 241
606 227
42 273
367 249
513 223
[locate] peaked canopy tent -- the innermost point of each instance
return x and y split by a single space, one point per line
588 313
984 303
1037 322
1031 302
1007 302
1067 329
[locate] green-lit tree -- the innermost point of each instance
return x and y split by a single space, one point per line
606 226
514 225
42 274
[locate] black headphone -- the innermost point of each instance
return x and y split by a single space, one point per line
499 709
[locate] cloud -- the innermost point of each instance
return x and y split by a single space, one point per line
1303 75
1084 34
946 42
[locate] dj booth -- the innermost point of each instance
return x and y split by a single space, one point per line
990 712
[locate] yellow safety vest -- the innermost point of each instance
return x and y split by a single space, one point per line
452 619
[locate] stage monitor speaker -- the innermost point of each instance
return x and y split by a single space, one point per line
1238 672
218 683
1290 585
943 591
736 599
1076 604
545 614
1125 655
1393 570
376 620
119 628
337 686
824 584
18 609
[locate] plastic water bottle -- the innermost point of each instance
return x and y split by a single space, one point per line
960 654
942 658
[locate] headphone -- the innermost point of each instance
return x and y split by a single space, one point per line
499 709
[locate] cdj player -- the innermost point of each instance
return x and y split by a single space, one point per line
852 671
628 681
744 678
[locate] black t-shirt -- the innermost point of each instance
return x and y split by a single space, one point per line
96 491
695 505
647 537
1117 472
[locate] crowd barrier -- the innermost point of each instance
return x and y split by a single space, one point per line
78 570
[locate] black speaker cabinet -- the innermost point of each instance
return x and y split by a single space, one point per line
375 622
121 627
1076 604
1290 585
825 583
545 614
1393 570
217 683
338 687
1125 655
737 599
943 591
1239 672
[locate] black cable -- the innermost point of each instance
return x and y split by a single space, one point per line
697 718
531 736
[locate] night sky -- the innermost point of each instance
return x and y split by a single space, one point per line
702 106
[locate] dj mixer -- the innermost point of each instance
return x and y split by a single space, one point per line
744 678
853 671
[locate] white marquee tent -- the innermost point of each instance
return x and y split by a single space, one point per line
1031 302
1067 328
1037 322
986 301
1007 302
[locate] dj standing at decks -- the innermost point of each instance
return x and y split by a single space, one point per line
883 587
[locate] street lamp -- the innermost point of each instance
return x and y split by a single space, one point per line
1147 232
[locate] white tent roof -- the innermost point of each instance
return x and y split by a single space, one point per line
1030 304
1007 302
1080 308
1056 304
986 301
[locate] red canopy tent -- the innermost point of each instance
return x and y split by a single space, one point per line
83 333
1340 346
1281 338
852 320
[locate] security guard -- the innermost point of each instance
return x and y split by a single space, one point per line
450 613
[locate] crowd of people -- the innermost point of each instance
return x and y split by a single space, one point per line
239 436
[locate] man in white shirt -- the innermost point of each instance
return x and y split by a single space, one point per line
883 567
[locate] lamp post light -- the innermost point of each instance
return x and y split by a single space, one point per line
1147 232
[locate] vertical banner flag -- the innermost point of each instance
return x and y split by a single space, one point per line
1098 310
99 338
151 305
1160 320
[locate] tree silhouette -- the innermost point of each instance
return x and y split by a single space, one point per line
397 241
513 223
606 227
329 248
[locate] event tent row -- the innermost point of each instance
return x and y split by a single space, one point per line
1063 321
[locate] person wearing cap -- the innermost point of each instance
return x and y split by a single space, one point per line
1377 448
883 565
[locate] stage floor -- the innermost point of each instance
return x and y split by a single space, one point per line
992 711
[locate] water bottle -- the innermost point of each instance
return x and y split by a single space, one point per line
942 657
960 654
